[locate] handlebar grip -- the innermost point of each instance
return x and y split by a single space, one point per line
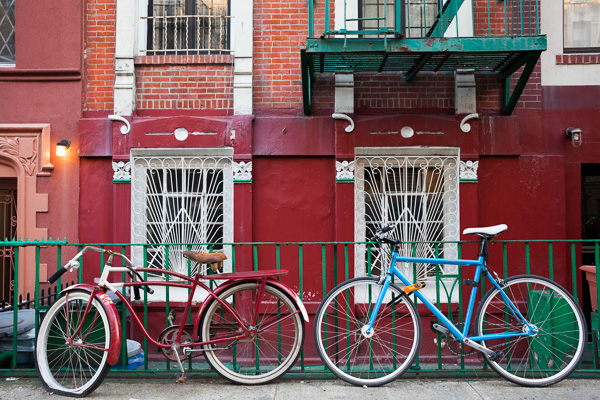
387 228
57 275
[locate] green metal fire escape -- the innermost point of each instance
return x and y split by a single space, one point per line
506 38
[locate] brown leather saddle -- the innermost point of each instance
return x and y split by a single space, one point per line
214 259
216 265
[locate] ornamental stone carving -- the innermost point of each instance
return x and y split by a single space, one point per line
122 171
242 171
344 170
468 170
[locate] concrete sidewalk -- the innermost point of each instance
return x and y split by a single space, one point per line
288 389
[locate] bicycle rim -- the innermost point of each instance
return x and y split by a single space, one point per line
354 357
271 351
73 370
546 357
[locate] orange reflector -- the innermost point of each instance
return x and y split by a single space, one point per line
413 287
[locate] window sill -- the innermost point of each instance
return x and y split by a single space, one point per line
177 60
577 59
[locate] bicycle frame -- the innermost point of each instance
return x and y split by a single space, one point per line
480 264
194 283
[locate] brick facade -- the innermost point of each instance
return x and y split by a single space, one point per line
184 82
99 61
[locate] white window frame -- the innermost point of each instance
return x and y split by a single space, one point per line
444 158
143 160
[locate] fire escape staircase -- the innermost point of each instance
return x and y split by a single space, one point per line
385 49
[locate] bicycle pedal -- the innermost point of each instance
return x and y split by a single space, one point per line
413 287
439 328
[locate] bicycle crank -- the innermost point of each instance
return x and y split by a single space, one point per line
169 336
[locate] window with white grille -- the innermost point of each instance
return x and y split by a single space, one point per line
187 27
416 189
184 199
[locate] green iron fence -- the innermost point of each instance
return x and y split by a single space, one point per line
315 268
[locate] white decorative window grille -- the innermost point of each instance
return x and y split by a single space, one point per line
417 190
188 27
183 200
7 31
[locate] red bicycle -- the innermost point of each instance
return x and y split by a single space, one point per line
250 328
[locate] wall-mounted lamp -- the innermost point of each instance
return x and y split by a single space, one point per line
575 135
61 147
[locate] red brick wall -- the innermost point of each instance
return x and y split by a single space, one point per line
280 31
184 82
99 53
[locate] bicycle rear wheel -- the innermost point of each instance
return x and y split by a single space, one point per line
78 369
546 357
357 358
273 348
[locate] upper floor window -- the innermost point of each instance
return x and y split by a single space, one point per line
581 25
419 15
187 27
7 32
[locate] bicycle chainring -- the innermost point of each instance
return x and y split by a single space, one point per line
169 335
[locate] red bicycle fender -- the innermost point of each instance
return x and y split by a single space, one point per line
224 286
113 319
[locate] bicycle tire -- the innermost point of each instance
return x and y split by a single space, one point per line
397 333
69 370
553 353
270 353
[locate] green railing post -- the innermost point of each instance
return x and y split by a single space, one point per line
15 308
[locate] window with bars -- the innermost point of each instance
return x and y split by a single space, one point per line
187 27
7 32
185 202
419 195
418 16
581 25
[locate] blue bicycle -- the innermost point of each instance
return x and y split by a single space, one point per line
528 328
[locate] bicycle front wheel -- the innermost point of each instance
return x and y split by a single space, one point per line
365 359
545 357
73 365
277 333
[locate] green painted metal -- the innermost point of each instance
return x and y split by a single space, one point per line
425 45
385 49
444 18
525 256
511 100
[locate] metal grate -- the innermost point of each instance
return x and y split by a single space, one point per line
181 200
7 31
8 225
417 194
188 27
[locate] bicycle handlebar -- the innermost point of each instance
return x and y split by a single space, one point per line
74 264
378 237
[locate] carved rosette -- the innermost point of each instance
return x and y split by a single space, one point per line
468 171
242 171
